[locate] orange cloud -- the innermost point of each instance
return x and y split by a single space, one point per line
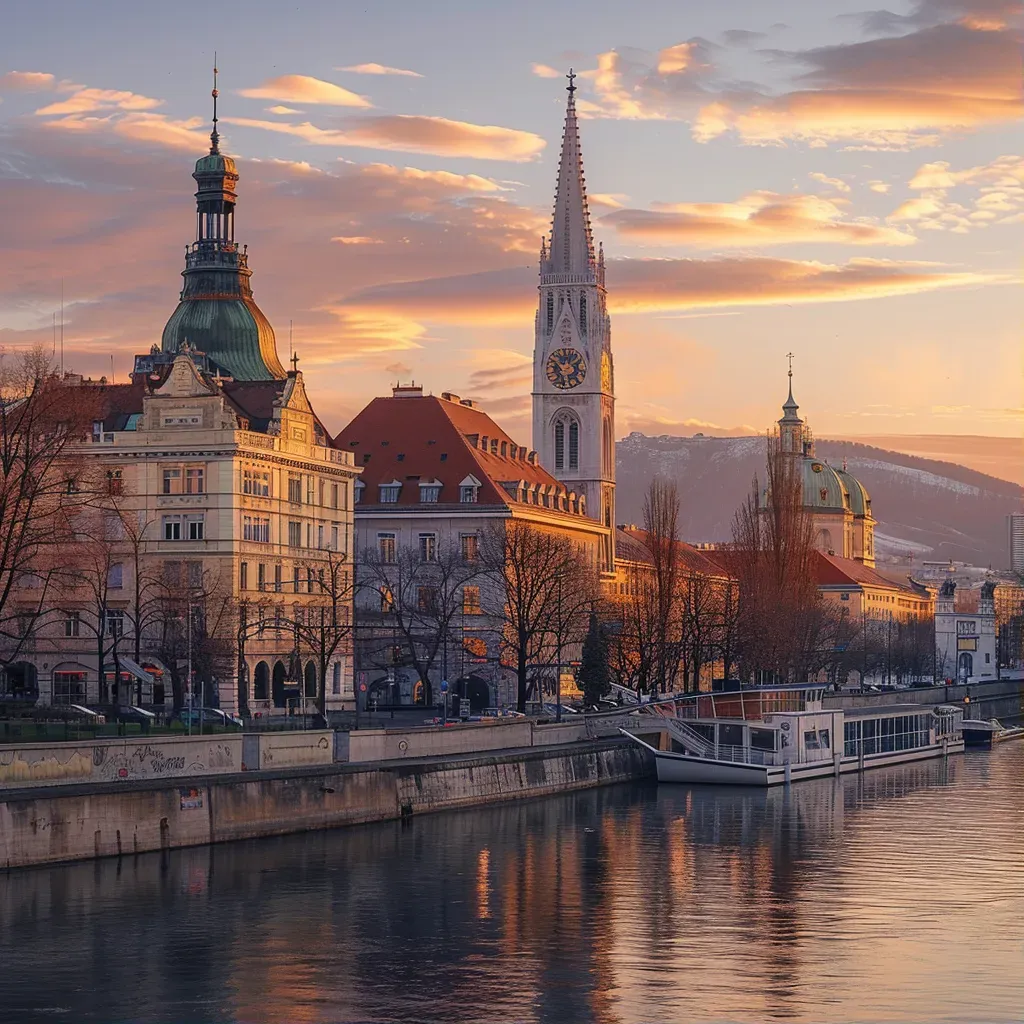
760 218
545 71
304 89
87 100
412 133
890 93
837 183
26 81
379 69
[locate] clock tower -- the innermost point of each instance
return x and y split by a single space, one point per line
573 377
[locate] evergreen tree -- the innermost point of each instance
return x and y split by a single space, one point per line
594 675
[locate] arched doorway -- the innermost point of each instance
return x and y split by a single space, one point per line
966 666
20 681
277 685
261 682
310 678
476 691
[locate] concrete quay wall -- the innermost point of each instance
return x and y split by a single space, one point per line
1002 698
75 822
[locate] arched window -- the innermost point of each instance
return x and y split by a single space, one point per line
583 314
261 682
560 444
551 310
574 445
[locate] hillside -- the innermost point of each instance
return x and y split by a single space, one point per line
924 507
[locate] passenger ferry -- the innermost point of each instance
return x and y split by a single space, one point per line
766 736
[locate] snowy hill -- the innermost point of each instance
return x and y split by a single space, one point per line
926 508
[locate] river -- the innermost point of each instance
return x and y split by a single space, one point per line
897 895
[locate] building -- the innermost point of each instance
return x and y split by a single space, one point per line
965 642
573 374
838 503
1015 538
866 593
219 518
437 474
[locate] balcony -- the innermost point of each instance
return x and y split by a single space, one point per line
221 254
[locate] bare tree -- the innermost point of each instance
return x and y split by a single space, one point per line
661 536
421 590
41 421
541 582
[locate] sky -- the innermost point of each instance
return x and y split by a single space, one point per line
805 176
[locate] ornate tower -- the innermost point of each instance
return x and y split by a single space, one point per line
217 314
573 377
791 427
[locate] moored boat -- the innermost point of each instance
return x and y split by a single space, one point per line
766 736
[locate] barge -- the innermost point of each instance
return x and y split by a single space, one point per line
767 736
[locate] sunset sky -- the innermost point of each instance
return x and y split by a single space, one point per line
771 176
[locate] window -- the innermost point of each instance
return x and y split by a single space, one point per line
294 534
320 537
574 445
115 623
172 527
115 576
386 545
389 493
255 481
428 547
195 574
115 485
471 601
336 680
295 489
467 494
256 528
551 310
172 481
334 537
68 687
470 547
583 314
243 576
72 624
194 481
309 581
310 490
261 576
560 445
430 494
335 494
426 599
387 600
359 488
277 578
196 527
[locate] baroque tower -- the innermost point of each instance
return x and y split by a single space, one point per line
573 376
216 313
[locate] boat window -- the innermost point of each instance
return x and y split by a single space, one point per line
731 734
824 739
762 739
811 740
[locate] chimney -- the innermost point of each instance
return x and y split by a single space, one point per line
412 390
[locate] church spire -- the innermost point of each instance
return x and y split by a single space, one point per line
572 245
215 135
789 407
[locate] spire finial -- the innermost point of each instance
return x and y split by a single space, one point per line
789 356
214 136
571 87
295 362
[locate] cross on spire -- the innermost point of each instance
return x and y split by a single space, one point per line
214 135
571 87
789 356
295 362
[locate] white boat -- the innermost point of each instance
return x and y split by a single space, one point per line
769 735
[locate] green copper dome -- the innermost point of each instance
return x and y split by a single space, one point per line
823 489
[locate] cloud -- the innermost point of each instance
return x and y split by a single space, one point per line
888 93
837 183
545 71
654 424
741 37
26 81
879 186
279 109
88 100
413 133
613 200
487 381
1005 171
760 218
357 240
379 69
304 89
664 285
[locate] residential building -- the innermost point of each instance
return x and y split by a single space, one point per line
965 642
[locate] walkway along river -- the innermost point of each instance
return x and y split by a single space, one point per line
890 896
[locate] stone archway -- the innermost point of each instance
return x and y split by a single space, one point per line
966 667
261 682
277 685
476 690
310 680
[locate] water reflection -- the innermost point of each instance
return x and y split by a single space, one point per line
839 900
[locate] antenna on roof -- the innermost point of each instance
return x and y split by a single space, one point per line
62 328
111 367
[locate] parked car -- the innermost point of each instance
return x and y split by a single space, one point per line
69 713
126 713
209 716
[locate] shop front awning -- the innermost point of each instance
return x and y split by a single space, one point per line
132 668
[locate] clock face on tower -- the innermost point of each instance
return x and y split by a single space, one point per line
566 368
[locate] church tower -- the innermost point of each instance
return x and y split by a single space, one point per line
216 313
573 377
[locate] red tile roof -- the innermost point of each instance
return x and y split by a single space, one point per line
631 544
422 438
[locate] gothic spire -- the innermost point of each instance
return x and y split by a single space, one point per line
572 245
789 407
